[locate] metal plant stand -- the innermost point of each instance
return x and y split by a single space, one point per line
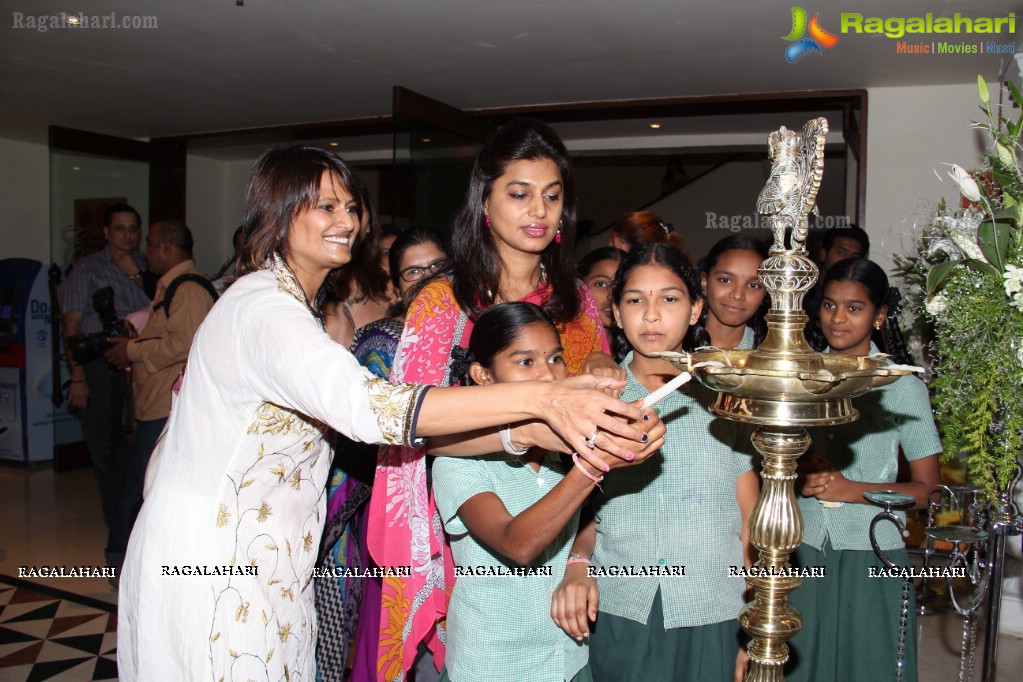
891 501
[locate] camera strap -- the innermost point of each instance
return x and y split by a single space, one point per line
178 281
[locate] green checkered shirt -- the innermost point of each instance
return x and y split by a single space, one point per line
676 509
747 339
499 627
868 450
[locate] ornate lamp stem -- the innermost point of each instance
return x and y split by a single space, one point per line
776 529
783 387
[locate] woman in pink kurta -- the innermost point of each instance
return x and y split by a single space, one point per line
512 241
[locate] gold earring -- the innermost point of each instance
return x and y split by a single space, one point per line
877 326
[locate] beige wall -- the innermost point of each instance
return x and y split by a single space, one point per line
24 200
911 132
235 179
215 190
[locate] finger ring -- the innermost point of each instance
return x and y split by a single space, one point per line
591 442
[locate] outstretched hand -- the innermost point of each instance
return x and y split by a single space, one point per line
577 408
615 452
811 464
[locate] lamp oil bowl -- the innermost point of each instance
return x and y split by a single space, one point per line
783 387
811 389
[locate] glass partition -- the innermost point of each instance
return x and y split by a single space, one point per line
82 186
430 174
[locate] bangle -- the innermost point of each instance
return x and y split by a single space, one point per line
508 445
587 474
574 558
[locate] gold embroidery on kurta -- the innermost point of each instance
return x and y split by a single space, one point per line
264 512
391 405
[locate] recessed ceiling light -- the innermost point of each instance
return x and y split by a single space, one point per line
74 21
333 144
76 168
655 125
426 139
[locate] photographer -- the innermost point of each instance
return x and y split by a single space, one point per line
98 391
157 356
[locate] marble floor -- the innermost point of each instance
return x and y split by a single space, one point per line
49 519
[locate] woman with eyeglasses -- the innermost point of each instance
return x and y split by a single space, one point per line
414 257
512 240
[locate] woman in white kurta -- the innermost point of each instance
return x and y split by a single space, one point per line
217 584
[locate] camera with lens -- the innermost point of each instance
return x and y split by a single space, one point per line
86 347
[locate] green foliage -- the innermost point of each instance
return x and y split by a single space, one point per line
978 384
961 288
994 240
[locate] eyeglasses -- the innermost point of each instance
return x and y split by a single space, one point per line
417 272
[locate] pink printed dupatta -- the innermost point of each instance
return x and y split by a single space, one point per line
405 528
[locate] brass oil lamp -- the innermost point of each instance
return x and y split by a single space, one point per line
783 387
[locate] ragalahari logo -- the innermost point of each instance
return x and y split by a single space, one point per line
800 45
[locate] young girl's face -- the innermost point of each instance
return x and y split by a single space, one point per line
655 310
534 355
848 317
599 284
734 290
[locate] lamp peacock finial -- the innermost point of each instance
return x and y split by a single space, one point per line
790 194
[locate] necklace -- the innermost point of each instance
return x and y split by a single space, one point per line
542 282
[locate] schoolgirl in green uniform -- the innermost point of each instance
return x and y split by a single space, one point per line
735 297
850 619
679 521
512 520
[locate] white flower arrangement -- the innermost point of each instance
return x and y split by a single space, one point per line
966 288
1014 285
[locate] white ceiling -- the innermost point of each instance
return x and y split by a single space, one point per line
212 65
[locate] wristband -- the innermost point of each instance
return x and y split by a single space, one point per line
574 558
508 445
587 474
78 381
